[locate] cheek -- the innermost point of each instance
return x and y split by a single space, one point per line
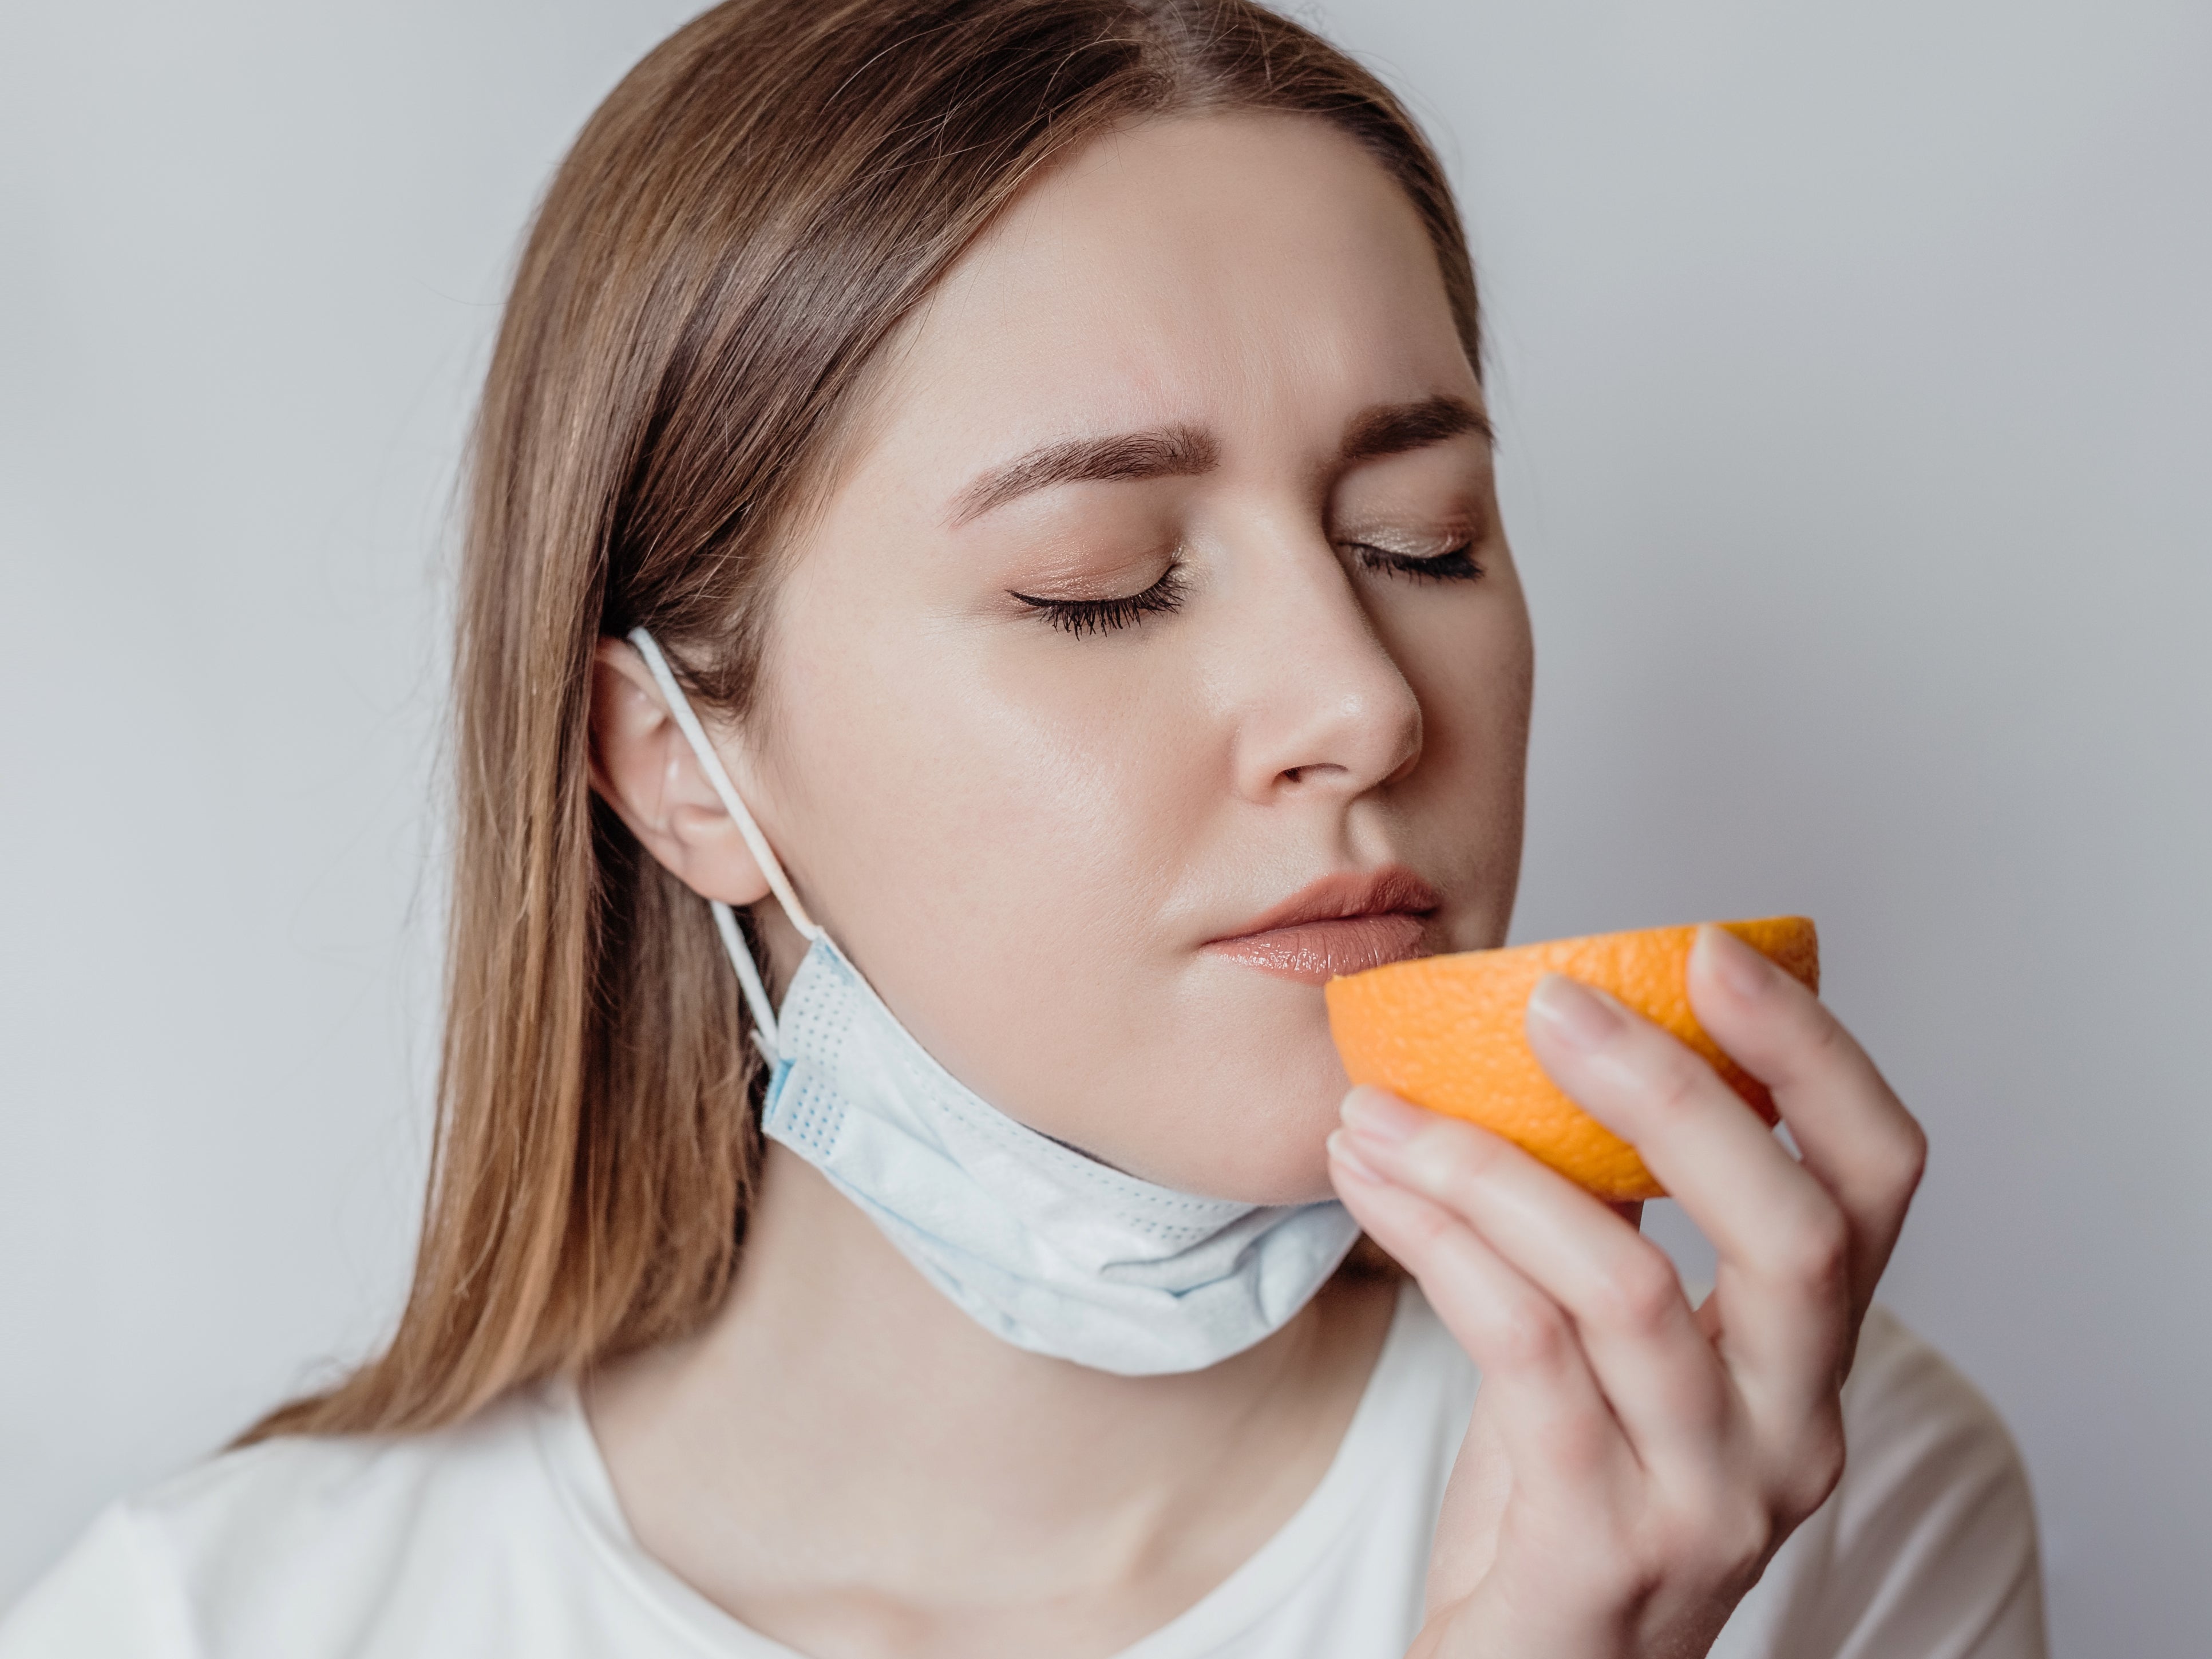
993 823
1473 673
1008 851
1482 698
1474 669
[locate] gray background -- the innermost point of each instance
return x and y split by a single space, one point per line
1852 364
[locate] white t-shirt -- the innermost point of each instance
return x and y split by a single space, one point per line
503 1536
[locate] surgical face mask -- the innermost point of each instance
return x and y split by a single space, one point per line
1046 1247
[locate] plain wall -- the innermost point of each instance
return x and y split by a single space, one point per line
1854 367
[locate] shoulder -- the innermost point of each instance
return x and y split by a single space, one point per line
1928 1544
1925 1449
111 1595
283 1545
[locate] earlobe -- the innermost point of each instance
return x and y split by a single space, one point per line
641 766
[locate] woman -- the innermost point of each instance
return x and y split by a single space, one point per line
983 588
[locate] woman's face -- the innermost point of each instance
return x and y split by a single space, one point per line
1160 599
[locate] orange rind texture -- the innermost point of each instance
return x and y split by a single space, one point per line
1446 1033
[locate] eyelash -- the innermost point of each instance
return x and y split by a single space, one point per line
1080 616
1458 565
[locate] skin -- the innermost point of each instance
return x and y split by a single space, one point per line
1070 811
948 776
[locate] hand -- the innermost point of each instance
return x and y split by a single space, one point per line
1632 1464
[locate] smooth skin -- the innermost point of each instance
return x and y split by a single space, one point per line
1024 797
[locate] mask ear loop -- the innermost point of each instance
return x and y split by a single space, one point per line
725 919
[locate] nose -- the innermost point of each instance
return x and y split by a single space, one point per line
1320 707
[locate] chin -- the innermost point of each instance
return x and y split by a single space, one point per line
1232 1093
1299 1176
1268 1109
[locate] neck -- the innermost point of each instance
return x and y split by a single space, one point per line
841 1435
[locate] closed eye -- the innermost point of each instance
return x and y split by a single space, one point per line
1099 615
1456 564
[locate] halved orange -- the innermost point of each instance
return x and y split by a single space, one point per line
1445 1032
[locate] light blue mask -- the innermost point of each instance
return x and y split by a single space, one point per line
1046 1247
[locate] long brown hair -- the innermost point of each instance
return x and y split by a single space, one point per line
737 229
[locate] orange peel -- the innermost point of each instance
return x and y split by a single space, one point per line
1446 1032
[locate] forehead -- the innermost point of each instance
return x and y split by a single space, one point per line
1243 271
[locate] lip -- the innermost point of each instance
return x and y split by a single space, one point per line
1344 923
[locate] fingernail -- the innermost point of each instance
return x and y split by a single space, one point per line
1380 1116
1735 964
1340 1154
1585 1020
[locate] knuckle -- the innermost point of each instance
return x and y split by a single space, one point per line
1809 1042
1827 1044
1632 1568
1677 1082
1429 1231
1641 1290
1731 1535
1746 1537
1460 1159
1818 1041
1817 1252
1908 1157
1816 1467
1531 1335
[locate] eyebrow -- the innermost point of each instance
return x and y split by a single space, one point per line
1394 428
1186 451
1170 452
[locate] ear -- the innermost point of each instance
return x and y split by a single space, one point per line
643 767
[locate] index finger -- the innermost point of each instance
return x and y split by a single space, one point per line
1783 1241
1853 1135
